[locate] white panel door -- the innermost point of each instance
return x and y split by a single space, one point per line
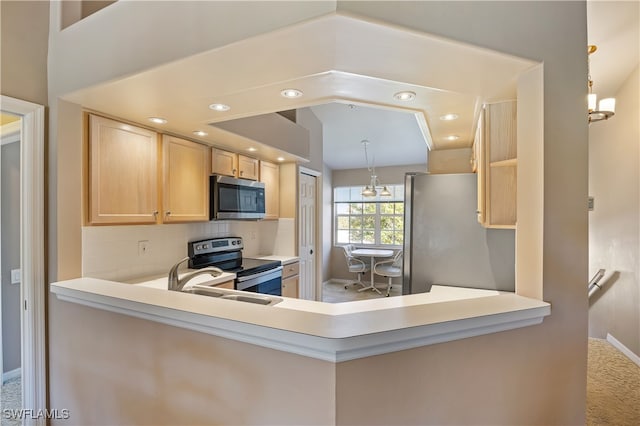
307 232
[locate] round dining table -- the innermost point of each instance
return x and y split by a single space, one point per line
372 253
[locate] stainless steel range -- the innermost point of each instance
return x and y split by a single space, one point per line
256 275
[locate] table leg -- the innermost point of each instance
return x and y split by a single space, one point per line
371 286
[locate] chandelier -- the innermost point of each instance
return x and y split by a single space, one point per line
371 190
606 107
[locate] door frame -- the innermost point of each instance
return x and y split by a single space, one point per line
32 260
318 228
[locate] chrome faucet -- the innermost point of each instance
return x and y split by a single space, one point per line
177 284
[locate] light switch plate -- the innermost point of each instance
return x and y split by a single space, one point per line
16 276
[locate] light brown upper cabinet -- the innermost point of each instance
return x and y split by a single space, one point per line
185 189
497 165
229 163
123 173
270 176
224 162
248 168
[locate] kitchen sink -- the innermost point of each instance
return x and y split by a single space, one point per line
211 292
260 300
228 294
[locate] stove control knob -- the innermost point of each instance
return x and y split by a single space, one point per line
234 242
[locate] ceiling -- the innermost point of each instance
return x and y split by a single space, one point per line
333 59
394 136
339 61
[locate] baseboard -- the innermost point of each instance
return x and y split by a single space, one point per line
622 348
11 374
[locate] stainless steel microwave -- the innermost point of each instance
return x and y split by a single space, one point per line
232 198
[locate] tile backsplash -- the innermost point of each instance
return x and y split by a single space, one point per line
113 252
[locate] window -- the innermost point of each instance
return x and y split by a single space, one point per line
376 221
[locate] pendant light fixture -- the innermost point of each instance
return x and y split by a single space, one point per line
371 190
607 107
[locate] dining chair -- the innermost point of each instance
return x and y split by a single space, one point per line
354 264
389 268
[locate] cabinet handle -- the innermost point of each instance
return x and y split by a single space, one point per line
241 172
168 213
155 213
234 171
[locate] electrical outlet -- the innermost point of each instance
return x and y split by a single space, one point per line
143 248
16 276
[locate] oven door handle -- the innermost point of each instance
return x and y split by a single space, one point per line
251 280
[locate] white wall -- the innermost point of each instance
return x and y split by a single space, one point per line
614 224
111 252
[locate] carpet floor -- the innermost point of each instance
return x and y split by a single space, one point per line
613 386
12 400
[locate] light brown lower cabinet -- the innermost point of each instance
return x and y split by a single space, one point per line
290 278
226 284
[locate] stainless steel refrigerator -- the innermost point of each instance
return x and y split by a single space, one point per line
443 242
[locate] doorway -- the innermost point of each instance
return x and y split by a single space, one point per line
308 193
10 340
30 253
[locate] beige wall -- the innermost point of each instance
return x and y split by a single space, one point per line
450 161
23 45
24 29
534 375
614 224
307 119
110 369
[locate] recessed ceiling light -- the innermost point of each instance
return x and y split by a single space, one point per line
405 96
200 133
252 149
291 93
280 158
220 107
157 120
452 138
448 117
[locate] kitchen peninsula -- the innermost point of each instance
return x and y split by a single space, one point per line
330 332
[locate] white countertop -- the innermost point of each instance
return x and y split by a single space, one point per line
333 332
284 259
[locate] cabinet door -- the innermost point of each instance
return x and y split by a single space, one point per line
500 165
290 287
185 190
226 284
248 168
270 176
224 162
123 173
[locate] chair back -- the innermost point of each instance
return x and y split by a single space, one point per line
348 248
397 259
